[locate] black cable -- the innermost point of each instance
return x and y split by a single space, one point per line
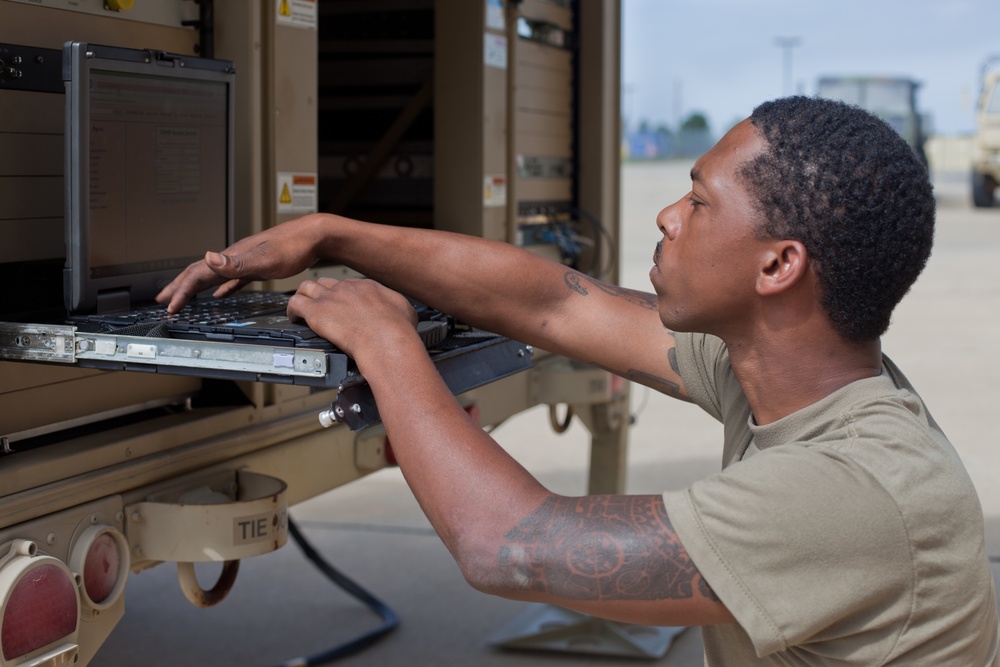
388 616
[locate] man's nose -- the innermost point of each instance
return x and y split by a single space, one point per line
668 221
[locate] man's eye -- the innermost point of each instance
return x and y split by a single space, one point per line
693 202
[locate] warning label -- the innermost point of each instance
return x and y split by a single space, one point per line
297 193
297 13
494 190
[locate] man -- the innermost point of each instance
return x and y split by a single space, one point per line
843 529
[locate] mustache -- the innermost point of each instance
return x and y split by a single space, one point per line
657 252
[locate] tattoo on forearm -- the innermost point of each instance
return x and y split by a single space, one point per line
602 548
574 280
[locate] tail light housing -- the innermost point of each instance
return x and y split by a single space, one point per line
100 559
39 608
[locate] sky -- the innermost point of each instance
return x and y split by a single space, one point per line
722 57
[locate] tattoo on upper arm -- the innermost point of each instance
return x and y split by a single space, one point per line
574 280
602 548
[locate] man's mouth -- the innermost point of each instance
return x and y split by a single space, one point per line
657 252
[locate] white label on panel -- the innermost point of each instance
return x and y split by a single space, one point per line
494 190
297 13
495 50
297 193
494 15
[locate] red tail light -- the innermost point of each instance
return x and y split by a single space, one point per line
100 556
39 599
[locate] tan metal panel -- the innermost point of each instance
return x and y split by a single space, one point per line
31 182
238 38
45 27
533 55
33 154
529 123
25 240
470 121
24 111
14 376
549 101
545 189
30 197
293 103
554 144
40 406
535 78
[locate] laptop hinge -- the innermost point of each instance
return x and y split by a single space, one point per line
111 301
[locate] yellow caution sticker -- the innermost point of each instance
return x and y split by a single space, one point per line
494 190
297 13
297 192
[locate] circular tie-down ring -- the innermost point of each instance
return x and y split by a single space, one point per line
196 594
560 425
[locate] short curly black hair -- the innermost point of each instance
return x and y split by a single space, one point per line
854 193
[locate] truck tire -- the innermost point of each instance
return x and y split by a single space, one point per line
982 189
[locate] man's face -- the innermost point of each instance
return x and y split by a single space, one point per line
705 267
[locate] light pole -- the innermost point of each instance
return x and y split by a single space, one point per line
787 44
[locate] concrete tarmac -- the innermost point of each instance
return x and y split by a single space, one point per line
372 530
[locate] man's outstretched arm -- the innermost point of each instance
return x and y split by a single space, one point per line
616 557
489 284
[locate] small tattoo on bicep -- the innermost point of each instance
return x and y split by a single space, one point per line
574 280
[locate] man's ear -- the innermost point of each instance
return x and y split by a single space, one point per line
785 265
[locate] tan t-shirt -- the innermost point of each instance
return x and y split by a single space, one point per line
848 533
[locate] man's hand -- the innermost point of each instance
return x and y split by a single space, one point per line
279 252
359 316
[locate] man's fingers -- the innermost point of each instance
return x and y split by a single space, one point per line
230 286
216 260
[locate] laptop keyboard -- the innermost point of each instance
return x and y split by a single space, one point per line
235 308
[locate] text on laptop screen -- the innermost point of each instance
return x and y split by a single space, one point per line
158 171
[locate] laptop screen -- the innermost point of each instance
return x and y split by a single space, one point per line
149 166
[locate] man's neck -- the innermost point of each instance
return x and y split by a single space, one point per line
783 376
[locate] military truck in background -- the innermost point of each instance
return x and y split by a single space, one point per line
986 142
893 99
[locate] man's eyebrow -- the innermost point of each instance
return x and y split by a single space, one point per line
695 175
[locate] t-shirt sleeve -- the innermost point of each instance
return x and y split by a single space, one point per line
767 532
703 364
